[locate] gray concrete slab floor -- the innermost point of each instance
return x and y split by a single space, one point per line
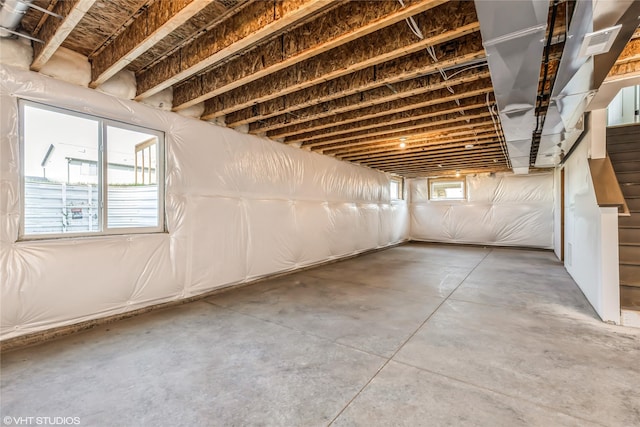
419 334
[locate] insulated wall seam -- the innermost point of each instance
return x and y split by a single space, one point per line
501 209
237 208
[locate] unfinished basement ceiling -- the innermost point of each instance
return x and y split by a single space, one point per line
399 86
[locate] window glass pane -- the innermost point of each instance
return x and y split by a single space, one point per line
60 172
395 190
132 176
447 190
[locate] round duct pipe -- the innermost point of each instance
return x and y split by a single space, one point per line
10 15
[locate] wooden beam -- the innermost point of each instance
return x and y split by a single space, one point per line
628 63
342 95
384 130
477 166
453 165
437 156
492 155
417 119
453 170
430 150
398 111
449 170
256 22
625 70
55 31
342 25
458 163
396 121
283 118
357 63
413 140
630 53
435 159
43 18
415 147
424 131
155 22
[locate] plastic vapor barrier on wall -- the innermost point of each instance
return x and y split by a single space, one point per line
501 209
237 208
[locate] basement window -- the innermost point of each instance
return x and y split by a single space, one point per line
396 186
447 189
85 175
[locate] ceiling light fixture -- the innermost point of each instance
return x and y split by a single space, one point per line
402 145
468 146
458 172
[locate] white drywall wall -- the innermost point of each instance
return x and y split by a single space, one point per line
238 207
591 236
557 213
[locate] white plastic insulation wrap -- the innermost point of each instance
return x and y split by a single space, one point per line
501 209
237 208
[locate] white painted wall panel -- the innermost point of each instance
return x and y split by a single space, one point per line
591 238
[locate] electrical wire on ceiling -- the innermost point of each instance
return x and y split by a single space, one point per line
445 77
495 118
413 26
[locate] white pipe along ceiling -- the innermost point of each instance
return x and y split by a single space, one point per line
513 34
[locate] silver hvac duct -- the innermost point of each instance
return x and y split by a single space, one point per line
10 15
580 73
513 33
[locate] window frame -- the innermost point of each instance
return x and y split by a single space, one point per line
462 180
400 182
102 186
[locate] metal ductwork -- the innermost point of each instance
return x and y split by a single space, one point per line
10 15
513 33
579 76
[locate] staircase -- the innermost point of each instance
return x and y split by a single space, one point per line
623 145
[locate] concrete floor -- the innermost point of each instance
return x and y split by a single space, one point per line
414 335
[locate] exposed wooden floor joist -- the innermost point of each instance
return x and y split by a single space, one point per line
262 123
422 131
261 119
257 22
55 31
369 69
413 140
344 78
348 88
415 147
405 128
441 156
159 20
335 28
414 106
